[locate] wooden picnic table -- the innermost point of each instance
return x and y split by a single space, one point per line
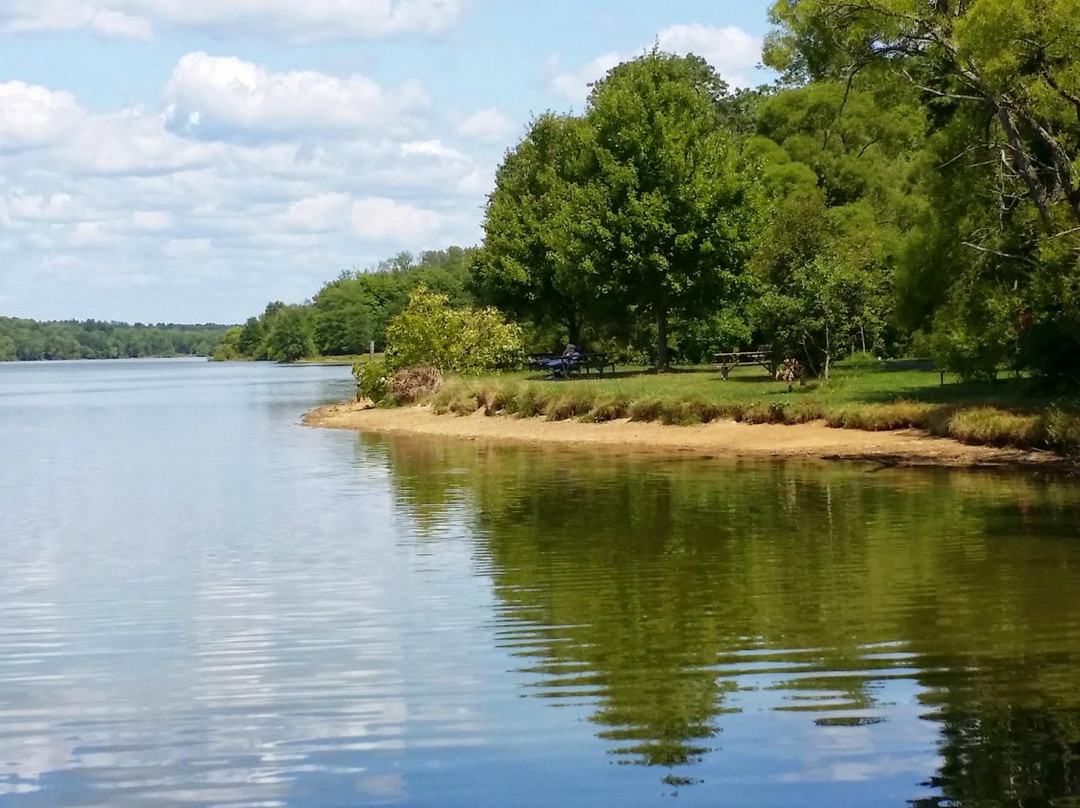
726 361
595 361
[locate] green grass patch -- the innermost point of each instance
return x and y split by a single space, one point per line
874 396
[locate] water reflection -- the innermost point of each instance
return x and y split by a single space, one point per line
854 625
203 603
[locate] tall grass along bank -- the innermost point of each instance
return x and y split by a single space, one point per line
880 397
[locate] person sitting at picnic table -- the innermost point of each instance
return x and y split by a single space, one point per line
561 365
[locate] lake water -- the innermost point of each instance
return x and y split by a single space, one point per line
204 603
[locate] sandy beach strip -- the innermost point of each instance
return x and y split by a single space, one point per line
720 438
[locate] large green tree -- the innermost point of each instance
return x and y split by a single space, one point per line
672 229
290 336
537 261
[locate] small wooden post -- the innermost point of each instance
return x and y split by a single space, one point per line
372 349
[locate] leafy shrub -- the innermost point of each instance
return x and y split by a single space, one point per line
429 331
372 380
1063 431
225 351
975 334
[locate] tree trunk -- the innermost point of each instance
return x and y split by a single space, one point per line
573 329
828 352
661 339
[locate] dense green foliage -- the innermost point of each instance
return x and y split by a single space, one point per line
537 262
372 379
31 340
995 267
676 213
350 312
464 340
633 215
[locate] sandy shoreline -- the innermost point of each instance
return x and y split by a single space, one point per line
813 441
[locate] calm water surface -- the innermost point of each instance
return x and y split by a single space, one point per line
203 603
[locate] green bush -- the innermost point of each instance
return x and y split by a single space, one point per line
431 332
975 334
1063 431
372 380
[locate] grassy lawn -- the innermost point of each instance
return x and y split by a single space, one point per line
860 384
877 396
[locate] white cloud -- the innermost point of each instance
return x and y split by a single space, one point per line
478 181
731 50
430 148
215 94
18 16
19 208
286 20
151 221
89 234
184 248
210 228
321 212
33 116
486 126
384 219
131 142
573 85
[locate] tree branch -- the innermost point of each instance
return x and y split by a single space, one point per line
999 254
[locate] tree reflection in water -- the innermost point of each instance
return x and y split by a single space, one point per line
657 591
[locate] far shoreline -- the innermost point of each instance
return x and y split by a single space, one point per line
814 441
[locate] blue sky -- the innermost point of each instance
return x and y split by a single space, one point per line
189 160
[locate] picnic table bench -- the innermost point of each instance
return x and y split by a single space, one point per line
565 365
726 361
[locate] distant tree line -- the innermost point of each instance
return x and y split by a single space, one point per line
350 312
910 185
27 340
